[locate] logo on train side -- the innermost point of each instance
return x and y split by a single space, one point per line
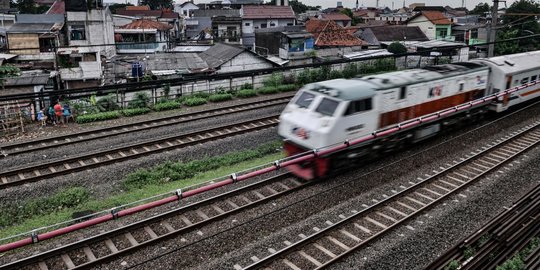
300 132
435 91
480 80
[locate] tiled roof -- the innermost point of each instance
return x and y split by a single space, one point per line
167 14
59 7
137 7
436 17
376 35
336 17
329 33
268 12
146 24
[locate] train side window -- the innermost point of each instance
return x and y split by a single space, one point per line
359 106
516 82
525 80
461 86
533 78
402 92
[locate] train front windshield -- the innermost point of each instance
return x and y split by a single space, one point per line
327 107
305 99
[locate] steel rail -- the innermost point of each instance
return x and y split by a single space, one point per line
127 239
82 162
13 149
383 216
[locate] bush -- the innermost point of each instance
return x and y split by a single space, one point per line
397 48
141 100
107 103
267 90
220 97
314 75
246 86
169 105
179 171
194 101
453 265
350 70
303 77
204 95
274 80
135 111
70 197
86 118
324 73
335 74
286 87
245 93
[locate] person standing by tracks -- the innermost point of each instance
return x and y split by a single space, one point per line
58 113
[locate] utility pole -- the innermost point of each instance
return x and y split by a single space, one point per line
493 27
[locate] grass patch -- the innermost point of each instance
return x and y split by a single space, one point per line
164 106
245 93
96 205
268 90
93 117
220 97
194 101
287 87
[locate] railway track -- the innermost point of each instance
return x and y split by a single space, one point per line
499 240
41 144
334 240
110 245
82 162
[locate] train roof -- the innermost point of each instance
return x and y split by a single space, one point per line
513 63
411 76
346 89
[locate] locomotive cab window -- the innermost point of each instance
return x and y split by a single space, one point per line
327 107
533 78
403 92
358 106
525 80
305 99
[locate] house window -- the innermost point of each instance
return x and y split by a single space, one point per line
263 25
403 92
247 24
443 32
272 24
78 32
289 24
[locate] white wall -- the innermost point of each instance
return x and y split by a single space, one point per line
425 25
99 30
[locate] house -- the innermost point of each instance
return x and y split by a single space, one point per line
260 17
378 35
292 43
221 24
185 9
330 34
470 34
6 21
148 36
225 58
34 38
340 19
434 24
144 12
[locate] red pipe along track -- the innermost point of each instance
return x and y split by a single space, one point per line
308 156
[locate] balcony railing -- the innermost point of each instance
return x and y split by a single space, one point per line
131 46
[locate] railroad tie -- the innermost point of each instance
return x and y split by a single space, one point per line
131 239
109 243
309 258
291 265
150 232
324 250
89 254
67 260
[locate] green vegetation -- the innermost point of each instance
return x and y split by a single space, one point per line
136 111
71 197
220 97
287 87
93 117
245 93
107 103
468 252
61 206
164 106
397 48
267 90
274 80
194 101
141 100
453 265
517 263
171 171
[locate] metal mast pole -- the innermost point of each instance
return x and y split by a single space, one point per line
493 28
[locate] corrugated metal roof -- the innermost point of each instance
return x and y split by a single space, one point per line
219 54
30 80
39 18
176 61
216 12
268 12
366 54
31 28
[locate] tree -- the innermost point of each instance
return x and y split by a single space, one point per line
481 9
158 4
350 14
397 48
28 7
518 26
116 6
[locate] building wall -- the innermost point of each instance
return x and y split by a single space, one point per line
425 25
30 40
99 30
243 62
256 24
